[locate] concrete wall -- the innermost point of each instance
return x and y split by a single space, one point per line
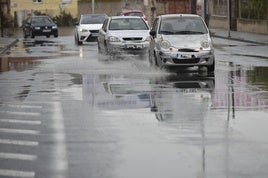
254 26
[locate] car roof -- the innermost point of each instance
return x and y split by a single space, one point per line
129 10
38 16
125 17
178 15
93 14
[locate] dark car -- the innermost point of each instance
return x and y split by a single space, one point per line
40 26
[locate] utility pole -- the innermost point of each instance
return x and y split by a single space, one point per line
93 6
229 14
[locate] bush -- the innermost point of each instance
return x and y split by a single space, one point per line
64 19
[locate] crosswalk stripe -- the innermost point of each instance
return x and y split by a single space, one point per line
18 156
18 142
29 122
21 106
20 131
15 173
21 113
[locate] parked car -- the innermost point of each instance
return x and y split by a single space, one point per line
88 27
134 13
181 40
124 35
40 26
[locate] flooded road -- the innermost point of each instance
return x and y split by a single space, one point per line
65 112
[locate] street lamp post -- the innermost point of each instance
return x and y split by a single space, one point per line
93 6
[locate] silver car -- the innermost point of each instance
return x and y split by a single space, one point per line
181 40
124 35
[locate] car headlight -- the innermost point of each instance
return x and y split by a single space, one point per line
82 30
54 27
113 39
205 44
37 28
165 44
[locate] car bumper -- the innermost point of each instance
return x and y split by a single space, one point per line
128 48
87 36
202 58
45 32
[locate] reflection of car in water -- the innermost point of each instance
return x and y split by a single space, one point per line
181 96
112 93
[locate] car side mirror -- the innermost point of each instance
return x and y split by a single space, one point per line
152 33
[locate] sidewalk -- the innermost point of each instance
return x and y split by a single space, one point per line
6 43
241 36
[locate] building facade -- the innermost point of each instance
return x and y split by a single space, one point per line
21 9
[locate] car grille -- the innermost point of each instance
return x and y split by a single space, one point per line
186 50
94 31
186 61
133 39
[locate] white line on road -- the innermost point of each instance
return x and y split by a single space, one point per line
19 131
60 162
18 156
21 106
21 113
16 121
15 173
18 142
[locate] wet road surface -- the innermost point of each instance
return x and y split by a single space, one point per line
69 113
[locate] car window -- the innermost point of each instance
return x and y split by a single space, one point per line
128 24
182 26
155 24
93 19
104 26
41 21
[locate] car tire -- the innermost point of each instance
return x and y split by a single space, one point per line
31 34
211 68
47 36
56 35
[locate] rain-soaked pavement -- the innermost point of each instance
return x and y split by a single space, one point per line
66 112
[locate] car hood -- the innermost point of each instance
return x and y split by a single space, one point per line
130 33
186 41
90 26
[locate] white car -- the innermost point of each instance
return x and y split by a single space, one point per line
88 27
123 36
181 40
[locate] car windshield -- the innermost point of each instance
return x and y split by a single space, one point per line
182 25
128 24
93 19
41 21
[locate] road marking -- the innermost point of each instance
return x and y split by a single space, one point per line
18 156
15 173
29 122
60 163
21 113
18 142
19 131
21 106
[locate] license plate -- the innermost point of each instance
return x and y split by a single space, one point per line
47 30
133 46
185 56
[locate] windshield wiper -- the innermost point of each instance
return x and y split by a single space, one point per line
189 32
166 32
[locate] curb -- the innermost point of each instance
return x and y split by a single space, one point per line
8 46
240 39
